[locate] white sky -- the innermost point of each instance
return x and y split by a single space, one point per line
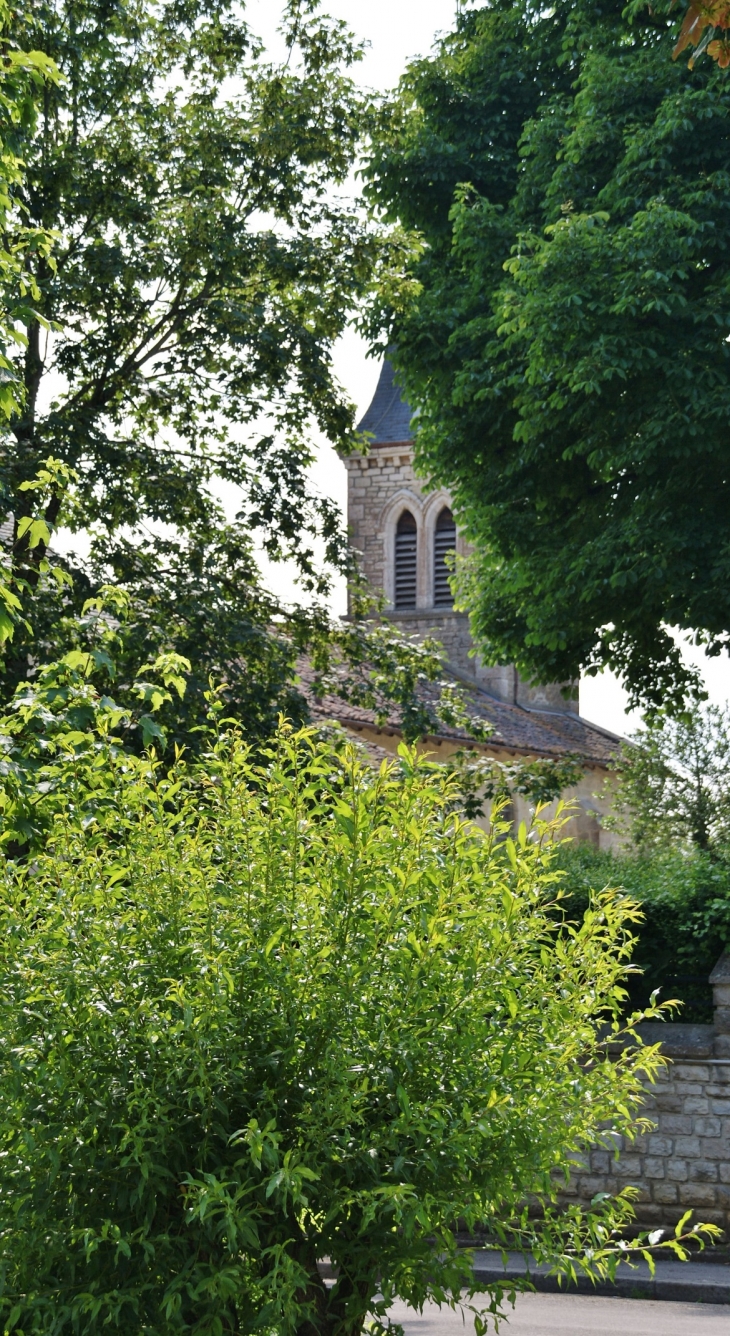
396 31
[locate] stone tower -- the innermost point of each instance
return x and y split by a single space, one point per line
403 535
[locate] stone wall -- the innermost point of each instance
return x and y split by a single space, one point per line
380 485
684 1163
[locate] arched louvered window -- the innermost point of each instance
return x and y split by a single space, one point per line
444 541
406 540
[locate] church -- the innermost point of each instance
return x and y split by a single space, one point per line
403 536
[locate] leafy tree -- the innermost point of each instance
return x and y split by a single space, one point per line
259 1014
121 644
202 270
563 330
181 335
23 75
674 782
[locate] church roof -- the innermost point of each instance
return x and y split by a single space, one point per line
515 728
388 419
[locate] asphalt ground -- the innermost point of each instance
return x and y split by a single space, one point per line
576 1315
681 1282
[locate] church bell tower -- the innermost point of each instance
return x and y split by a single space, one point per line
403 536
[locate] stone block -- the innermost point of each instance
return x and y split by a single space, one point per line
630 1165
696 1194
707 1127
579 1162
720 1106
673 1215
660 1145
600 1161
724 1172
723 1195
667 1102
696 1104
677 1170
665 1193
649 1214
588 1186
715 1148
703 1171
687 1146
654 1167
686 1071
671 1124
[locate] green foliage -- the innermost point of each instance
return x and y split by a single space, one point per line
483 780
673 785
161 698
23 75
202 268
198 280
685 903
258 1014
670 799
195 596
563 330
191 609
62 713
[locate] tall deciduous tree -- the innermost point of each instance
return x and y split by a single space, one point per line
202 269
22 75
674 783
181 335
566 337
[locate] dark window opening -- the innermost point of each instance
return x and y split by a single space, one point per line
444 542
406 541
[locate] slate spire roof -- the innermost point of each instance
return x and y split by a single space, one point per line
388 419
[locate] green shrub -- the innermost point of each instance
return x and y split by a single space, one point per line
256 1015
685 902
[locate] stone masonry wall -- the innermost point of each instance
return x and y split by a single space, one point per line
684 1163
380 485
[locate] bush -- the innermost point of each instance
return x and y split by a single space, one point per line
256 1015
685 902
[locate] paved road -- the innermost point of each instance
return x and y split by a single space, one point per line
578 1315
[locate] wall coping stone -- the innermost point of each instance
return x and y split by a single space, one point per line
678 1040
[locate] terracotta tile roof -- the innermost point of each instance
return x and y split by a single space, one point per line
515 728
